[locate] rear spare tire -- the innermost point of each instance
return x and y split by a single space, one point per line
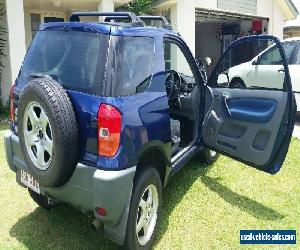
48 132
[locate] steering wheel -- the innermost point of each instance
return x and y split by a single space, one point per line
173 84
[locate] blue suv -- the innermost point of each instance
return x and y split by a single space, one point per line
104 113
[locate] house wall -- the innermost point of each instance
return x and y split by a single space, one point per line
27 22
271 9
15 44
278 22
244 6
6 71
206 4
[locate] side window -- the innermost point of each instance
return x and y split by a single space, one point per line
130 65
270 57
175 59
252 64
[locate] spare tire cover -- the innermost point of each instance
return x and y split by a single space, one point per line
48 132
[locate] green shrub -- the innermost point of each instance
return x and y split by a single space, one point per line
140 7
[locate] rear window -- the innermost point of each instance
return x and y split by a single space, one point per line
75 59
130 65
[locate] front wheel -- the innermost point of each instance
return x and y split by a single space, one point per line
144 211
208 156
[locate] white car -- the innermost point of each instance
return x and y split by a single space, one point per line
261 69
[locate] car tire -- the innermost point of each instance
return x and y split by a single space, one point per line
41 200
146 182
208 156
48 132
237 84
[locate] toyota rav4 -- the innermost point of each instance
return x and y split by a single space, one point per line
104 113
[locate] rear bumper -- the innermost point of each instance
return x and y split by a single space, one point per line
87 189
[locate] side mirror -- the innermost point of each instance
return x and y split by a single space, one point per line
223 80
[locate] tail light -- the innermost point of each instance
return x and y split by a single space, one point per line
12 104
109 130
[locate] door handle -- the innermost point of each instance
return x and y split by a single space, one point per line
281 70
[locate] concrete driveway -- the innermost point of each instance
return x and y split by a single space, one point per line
297 127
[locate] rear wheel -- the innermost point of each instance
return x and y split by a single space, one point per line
48 132
41 200
144 212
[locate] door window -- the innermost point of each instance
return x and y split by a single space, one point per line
130 65
176 60
251 64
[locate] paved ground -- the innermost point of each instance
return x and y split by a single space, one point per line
297 127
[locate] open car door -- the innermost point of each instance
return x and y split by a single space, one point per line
251 121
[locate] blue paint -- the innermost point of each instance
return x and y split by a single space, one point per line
253 110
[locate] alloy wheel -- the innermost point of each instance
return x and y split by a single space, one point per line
38 135
147 214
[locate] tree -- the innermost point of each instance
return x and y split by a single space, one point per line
140 7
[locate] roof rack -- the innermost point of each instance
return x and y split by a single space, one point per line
116 18
135 21
165 23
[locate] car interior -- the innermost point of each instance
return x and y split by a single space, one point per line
183 99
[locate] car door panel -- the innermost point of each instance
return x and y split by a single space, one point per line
247 130
258 110
253 124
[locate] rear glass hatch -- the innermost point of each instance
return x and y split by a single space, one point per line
68 56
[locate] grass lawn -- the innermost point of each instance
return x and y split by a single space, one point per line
203 208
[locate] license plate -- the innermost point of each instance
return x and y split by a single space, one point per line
30 182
